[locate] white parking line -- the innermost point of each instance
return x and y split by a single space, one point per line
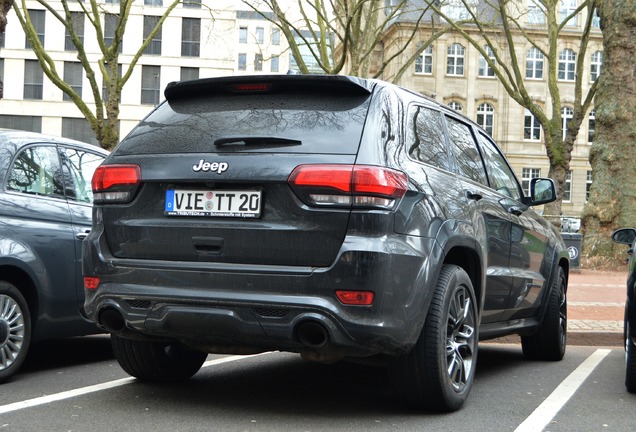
545 412
16 406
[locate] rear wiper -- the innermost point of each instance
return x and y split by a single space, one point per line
268 141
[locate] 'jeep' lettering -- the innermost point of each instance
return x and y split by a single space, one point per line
217 167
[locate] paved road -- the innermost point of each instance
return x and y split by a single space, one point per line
282 393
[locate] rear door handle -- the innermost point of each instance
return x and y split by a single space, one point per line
82 235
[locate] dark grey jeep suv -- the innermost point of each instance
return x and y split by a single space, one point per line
327 215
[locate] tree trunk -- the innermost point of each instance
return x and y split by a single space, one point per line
612 200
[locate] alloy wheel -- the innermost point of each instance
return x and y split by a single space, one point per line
11 331
460 339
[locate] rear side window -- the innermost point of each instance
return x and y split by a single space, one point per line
37 171
499 173
425 137
465 151
287 122
79 166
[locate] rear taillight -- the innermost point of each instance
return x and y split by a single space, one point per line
348 185
115 183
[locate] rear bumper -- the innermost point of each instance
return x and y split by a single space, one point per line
240 309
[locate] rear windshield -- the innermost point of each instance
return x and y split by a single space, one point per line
292 122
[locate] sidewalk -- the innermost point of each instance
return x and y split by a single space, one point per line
596 302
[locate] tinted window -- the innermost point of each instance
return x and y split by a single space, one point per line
425 137
37 171
499 173
465 150
323 123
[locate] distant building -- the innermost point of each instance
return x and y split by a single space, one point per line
225 37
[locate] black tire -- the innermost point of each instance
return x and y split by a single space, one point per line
156 361
438 373
15 330
550 341
630 361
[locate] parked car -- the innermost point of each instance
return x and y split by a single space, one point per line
627 236
327 215
45 212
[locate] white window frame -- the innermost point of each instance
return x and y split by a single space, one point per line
535 62
456 106
424 62
534 128
567 114
486 117
567 8
455 60
591 126
567 65
527 174
596 64
485 70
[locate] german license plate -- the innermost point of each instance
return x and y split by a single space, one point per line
220 203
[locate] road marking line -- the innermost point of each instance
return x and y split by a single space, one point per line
42 400
545 412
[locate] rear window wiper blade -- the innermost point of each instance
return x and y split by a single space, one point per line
251 140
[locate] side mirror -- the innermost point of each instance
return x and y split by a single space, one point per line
624 236
542 191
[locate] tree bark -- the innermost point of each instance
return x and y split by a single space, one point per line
612 200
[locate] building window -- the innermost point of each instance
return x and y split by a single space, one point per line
154 47
588 185
78 129
527 174
568 7
456 9
38 18
595 65
591 126
195 4
275 36
486 117
455 60
531 127
566 117
111 21
567 192
242 61
536 14
243 35
454 105
25 123
77 20
534 64
33 80
485 70
260 35
112 1
150 79
2 70
424 62
275 64
73 72
258 62
189 73
190 37
153 2
567 65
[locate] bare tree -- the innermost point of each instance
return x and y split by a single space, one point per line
344 35
612 200
5 6
103 114
503 30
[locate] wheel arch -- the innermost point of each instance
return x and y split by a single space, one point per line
469 260
23 282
